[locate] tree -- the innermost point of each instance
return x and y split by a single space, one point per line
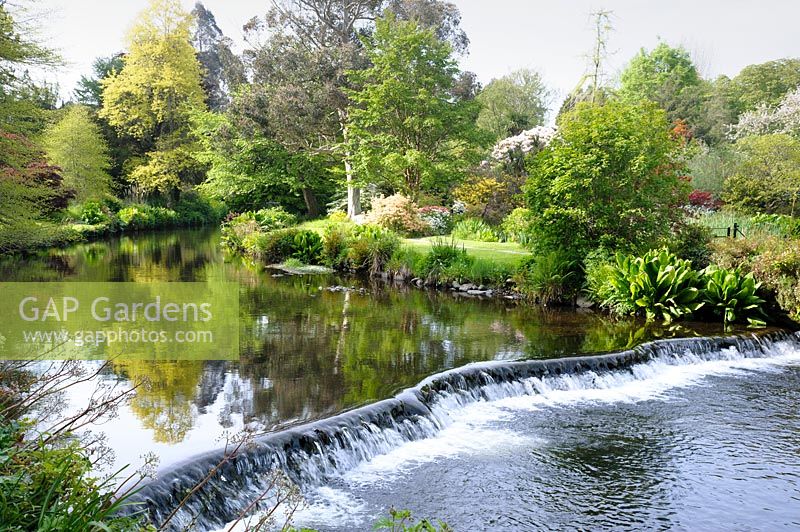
76 145
22 101
765 83
405 129
160 81
513 103
667 76
90 88
300 69
767 179
608 179
784 118
153 96
248 171
223 70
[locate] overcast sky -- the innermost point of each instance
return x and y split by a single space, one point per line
552 36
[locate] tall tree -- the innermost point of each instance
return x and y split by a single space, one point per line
90 88
404 123
443 17
610 178
152 98
223 70
75 144
665 75
765 83
513 103
159 84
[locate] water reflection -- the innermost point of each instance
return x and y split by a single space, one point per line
307 352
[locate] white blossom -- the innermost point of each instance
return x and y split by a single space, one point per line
785 118
529 140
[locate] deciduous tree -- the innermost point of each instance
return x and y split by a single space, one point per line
76 145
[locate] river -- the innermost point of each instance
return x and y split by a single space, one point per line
708 443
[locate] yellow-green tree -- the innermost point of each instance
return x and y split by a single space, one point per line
76 145
160 81
153 95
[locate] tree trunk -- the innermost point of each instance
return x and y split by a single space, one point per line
312 205
353 192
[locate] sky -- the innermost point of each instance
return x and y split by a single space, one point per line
552 37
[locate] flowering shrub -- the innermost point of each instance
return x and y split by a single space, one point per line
438 219
511 149
763 120
397 213
459 207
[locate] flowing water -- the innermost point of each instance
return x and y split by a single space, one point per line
387 396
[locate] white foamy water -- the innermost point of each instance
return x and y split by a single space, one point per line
470 419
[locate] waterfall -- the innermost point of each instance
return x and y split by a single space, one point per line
314 453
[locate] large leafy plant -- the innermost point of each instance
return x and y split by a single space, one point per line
659 284
733 295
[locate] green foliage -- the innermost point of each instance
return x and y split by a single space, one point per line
248 169
549 278
765 83
370 248
49 487
474 229
405 130
334 245
273 218
272 247
513 103
165 171
76 145
733 295
767 179
308 247
609 179
92 213
710 167
667 76
599 269
442 256
659 284
403 521
692 242
193 209
516 226
140 217
159 84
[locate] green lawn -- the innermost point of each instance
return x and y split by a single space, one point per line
500 252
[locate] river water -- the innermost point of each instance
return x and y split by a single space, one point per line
704 444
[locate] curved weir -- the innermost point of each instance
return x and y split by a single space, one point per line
314 453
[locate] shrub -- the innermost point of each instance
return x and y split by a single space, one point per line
236 228
474 229
732 295
194 209
370 248
692 242
92 213
659 284
404 262
338 217
598 267
272 247
437 219
273 218
396 213
139 217
308 247
442 255
548 278
334 246
611 178
705 200
517 226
